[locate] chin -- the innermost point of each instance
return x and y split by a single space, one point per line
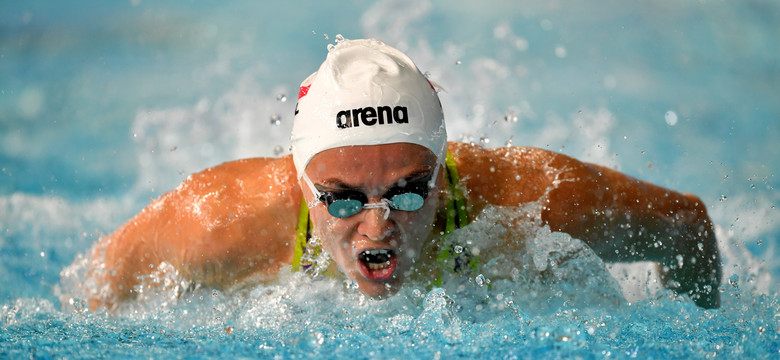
379 290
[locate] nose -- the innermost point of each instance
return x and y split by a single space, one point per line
375 225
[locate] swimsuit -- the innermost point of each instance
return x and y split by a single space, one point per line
456 218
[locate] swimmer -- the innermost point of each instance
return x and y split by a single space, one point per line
372 176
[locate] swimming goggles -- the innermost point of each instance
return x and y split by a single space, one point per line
405 196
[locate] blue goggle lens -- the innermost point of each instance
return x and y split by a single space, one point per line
407 202
345 208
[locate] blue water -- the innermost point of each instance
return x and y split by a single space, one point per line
106 105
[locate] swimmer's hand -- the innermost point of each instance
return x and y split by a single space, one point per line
696 270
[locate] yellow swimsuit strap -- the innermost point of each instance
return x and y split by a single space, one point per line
456 213
302 236
456 206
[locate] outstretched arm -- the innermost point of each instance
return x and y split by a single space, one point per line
621 218
218 227
625 219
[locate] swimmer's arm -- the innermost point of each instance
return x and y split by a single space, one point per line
222 225
625 219
621 218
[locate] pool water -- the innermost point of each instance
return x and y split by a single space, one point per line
105 106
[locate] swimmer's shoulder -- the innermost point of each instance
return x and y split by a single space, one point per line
239 220
268 179
506 176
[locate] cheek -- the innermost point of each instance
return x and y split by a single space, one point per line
418 225
332 232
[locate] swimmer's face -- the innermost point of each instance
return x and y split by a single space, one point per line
376 252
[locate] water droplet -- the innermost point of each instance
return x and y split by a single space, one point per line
281 97
481 280
671 118
484 140
427 74
351 284
511 116
734 280
560 51
457 62
723 198
278 149
77 304
43 254
276 119
325 36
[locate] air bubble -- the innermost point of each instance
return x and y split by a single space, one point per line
458 249
278 149
281 97
457 62
511 116
723 198
276 119
339 38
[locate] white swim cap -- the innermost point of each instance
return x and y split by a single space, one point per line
366 93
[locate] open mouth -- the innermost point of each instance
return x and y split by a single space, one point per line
378 264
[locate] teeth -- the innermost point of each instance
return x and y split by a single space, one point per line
374 266
376 252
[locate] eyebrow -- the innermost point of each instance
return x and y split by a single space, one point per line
339 185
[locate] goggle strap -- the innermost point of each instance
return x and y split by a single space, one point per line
317 193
